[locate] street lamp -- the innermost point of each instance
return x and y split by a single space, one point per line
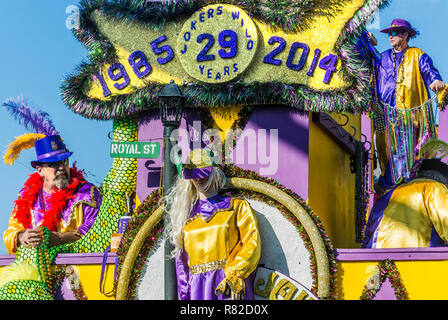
171 103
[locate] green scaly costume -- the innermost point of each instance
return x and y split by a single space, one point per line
119 184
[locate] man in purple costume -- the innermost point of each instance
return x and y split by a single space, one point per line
405 75
55 196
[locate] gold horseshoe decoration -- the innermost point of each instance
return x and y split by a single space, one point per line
323 273
134 249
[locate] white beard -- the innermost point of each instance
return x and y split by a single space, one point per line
61 182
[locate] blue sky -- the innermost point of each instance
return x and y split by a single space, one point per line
38 51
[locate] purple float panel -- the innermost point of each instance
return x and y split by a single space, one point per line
443 126
64 292
274 144
149 170
386 292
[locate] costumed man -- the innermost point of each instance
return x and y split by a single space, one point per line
55 196
216 239
404 76
414 214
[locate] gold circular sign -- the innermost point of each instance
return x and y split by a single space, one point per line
217 43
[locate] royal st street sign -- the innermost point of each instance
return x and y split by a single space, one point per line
150 150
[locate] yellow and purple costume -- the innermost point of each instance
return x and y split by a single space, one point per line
412 215
221 247
403 82
78 213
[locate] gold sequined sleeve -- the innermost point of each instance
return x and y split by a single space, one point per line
10 235
436 202
244 258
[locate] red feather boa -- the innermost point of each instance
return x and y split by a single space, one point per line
56 202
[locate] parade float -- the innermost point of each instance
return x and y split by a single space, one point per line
282 92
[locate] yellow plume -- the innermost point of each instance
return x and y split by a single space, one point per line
19 272
25 141
434 148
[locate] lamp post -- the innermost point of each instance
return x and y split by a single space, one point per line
171 104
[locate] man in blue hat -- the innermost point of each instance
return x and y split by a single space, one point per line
404 76
56 197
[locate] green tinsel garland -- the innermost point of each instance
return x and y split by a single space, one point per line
137 220
289 15
387 270
58 276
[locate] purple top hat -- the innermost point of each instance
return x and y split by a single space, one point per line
401 25
50 149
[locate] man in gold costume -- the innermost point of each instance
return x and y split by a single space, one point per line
413 214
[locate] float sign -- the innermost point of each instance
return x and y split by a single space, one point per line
149 150
273 285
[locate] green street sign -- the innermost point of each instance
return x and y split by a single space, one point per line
149 150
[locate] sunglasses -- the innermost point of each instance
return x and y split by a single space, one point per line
56 164
395 33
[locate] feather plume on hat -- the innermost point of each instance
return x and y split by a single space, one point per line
434 148
32 119
23 142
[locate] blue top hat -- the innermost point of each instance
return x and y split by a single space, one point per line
50 149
